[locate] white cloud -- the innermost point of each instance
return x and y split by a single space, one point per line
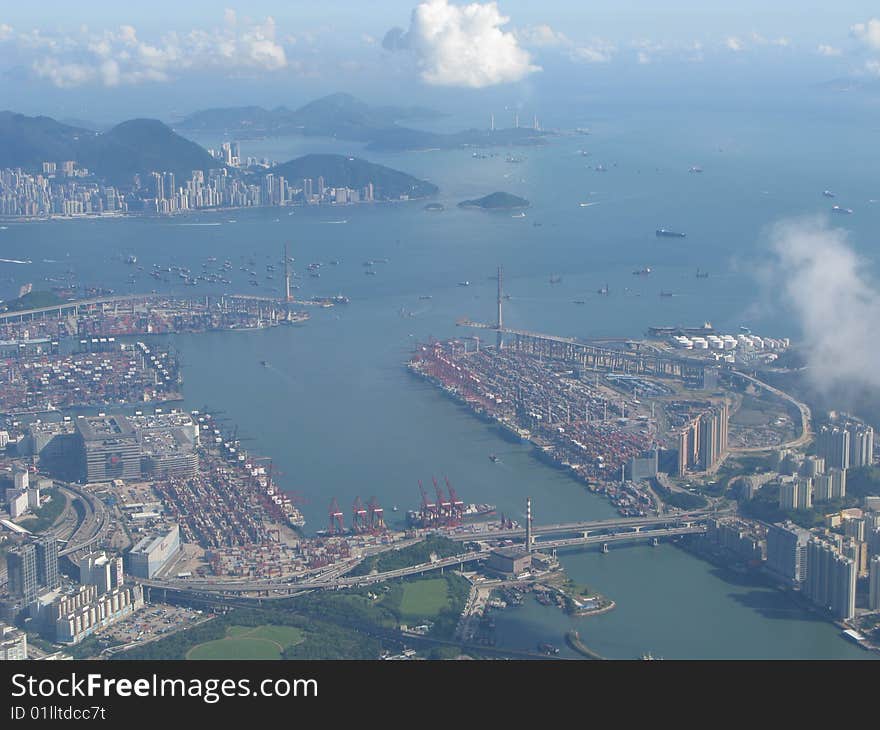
643 57
825 50
867 33
6 31
462 45
597 51
825 283
120 56
542 36
733 43
64 75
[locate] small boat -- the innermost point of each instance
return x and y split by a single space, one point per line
642 272
493 458
839 209
555 279
702 274
425 296
696 168
518 215
666 293
546 648
264 363
579 301
395 508
828 194
464 283
603 291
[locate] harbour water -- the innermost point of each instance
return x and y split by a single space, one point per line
335 409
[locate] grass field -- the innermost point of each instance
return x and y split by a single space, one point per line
424 598
249 642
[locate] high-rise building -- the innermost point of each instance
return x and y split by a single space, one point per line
21 568
833 445
861 445
874 584
838 483
831 579
101 571
713 436
854 528
788 494
805 493
13 643
46 548
787 551
822 487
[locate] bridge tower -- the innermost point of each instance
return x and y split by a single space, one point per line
288 297
528 524
500 339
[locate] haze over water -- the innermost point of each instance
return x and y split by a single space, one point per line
340 416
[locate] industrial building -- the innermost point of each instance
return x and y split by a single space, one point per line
510 561
643 467
152 553
109 448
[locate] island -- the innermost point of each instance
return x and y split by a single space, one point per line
341 171
496 201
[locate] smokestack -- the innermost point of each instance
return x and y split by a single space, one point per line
528 524
491 122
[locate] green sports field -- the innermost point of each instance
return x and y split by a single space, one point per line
424 598
249 642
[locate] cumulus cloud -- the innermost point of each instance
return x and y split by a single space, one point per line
734 44
826 50
462 45
825 283
867 33
121 56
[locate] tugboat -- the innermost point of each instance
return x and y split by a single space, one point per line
702 274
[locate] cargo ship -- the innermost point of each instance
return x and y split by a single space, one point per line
839 209
666 331
665 232
414 517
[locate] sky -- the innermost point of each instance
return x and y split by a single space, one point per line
107 60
